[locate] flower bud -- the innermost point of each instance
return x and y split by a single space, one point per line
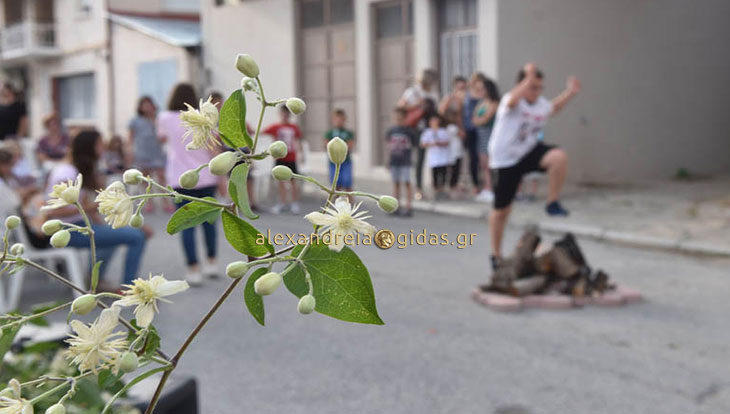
236 270
17 249
222 163
267 284
51 226
128 362
246 65
281 173
70 195
189 179
296 106
337 150
388 204
132 176
249 84
306 304
83 304
12 222
137 221
60 239
56 409
278 149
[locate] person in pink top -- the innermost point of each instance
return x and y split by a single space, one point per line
179 160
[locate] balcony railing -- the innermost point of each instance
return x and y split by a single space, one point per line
27 40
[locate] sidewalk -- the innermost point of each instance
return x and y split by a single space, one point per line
684 216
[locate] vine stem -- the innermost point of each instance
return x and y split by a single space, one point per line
188 341
25 319
92 241
264 104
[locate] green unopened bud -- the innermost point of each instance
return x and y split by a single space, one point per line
296 106
56 409
17 249
278 149
388 204
236 270
137 221
70 195
189 179
222 163
132 176
337 150
282 173
60 239
51 226
249 84
306 304
246 65
128 362
267 284
83 304
12 222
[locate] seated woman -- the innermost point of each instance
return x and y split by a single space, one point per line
86 150
53 146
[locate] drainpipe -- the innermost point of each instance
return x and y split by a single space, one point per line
110 71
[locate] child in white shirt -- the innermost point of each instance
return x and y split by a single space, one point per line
436 139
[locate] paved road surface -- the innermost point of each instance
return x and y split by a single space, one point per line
439 352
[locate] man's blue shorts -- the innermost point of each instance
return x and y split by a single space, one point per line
345 178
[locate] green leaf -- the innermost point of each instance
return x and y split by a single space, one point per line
8 336
254 302
192 214
342 286
130 384
95 275
232 123
151 342
238 189
244 237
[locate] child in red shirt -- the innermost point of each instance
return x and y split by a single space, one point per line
290 134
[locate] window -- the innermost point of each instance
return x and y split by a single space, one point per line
319 13
458 27
394 20
76 96
156 80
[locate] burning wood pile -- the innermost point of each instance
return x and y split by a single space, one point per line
561 270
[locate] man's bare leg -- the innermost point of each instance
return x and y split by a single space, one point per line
497 223
396 191
409 196
555 162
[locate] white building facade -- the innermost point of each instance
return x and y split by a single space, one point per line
651 71
90 62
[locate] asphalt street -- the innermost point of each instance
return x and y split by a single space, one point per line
439 351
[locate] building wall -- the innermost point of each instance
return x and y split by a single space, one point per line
81 39
130 48
262 29
655 79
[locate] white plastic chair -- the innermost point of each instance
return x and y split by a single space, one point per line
46 257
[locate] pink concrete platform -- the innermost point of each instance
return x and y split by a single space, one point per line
620 296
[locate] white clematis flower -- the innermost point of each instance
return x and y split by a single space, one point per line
201 125
116 205
145 293
341 219
64 194
97 343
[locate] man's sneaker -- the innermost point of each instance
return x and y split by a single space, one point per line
485 196
194 278
209 270
277 208
294 208
555 209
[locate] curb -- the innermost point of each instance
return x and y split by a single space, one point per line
685 246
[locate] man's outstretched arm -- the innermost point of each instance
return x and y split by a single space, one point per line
572 87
